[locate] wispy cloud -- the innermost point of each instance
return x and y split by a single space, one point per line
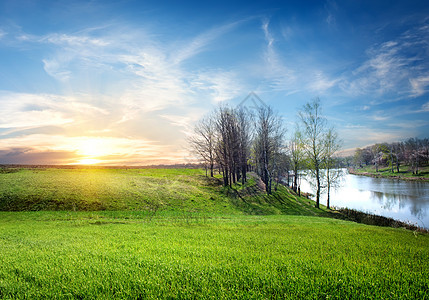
425 107
279 76
73 40
199 43
331 8
396 67
320 82
220 85
410 125
419 85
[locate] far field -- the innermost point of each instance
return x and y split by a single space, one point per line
404 172
150 190
151 233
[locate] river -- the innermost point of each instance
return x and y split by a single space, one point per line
407 201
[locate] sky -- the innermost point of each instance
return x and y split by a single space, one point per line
124 82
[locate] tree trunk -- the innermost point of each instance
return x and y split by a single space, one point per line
329 193
225 177
318 188
295 181
243 174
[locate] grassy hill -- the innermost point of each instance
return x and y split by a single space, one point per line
164 234
142 190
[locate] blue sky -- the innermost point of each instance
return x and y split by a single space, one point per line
123 82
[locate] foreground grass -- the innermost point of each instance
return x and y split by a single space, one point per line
169 233
404 172
102 255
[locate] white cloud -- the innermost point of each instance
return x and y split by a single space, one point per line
268 37
320 82
56 68
331 8
380 117
199 43
396 67
221 85
73 40
425 107
279 76
21 110
410 125
419 85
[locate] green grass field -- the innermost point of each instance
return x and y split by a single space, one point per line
145 241
180 190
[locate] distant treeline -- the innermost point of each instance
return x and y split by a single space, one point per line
413 152
174 166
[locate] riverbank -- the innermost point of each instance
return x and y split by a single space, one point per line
377 220
403 174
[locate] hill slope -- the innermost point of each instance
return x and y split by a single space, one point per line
141 189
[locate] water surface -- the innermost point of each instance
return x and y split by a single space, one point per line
399 199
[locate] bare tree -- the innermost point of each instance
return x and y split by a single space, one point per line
332 173
314 131
203 142
224 146
244 123
269 134
282 168
296 150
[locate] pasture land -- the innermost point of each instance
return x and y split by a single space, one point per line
150 190
152 233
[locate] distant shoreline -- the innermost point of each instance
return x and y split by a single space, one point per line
378 175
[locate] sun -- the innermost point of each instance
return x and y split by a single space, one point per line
91 149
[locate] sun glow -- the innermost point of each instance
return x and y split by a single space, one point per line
92 149
89 161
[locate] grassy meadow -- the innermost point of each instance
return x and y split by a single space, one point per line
175 234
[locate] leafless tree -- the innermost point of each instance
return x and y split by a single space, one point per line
244 123
203 142
267 144
313 136
332 173
296 151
